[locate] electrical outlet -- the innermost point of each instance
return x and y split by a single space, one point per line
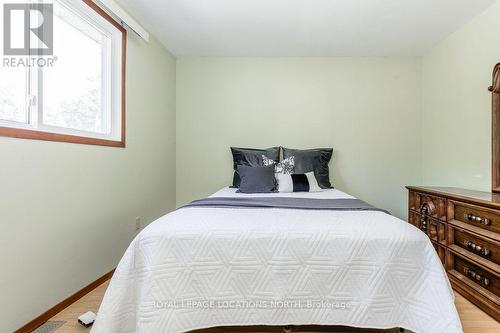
138 224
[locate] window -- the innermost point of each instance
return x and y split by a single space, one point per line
77 93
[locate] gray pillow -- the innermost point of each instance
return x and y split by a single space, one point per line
316 160
256 179
251 157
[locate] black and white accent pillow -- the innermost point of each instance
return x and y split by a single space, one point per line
286 166
297 183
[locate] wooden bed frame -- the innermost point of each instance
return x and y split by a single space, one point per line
293 328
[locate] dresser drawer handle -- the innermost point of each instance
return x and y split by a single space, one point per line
476 219
481 250
477 277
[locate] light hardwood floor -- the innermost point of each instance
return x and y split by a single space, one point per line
473 319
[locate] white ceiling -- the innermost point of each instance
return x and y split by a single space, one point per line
302 27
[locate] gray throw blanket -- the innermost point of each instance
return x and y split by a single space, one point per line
286 203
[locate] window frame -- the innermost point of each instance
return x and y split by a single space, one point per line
37 134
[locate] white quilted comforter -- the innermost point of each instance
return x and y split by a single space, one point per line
204 267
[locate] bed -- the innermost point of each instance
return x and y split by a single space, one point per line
201 266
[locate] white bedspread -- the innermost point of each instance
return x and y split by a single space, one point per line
204 267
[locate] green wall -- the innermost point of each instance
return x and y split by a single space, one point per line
456 131
367 109
68 211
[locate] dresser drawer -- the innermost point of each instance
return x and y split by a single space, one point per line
481 279
484 218
475 246
436 230
414 218
436 205
441 251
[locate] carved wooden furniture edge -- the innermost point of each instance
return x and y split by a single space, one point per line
443 192
495 85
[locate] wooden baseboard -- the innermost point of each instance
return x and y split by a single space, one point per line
63 304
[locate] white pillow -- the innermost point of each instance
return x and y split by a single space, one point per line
297 183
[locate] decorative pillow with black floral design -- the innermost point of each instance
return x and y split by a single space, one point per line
285 167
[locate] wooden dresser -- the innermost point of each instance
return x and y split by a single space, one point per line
464 227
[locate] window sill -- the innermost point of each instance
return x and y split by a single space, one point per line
46 136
